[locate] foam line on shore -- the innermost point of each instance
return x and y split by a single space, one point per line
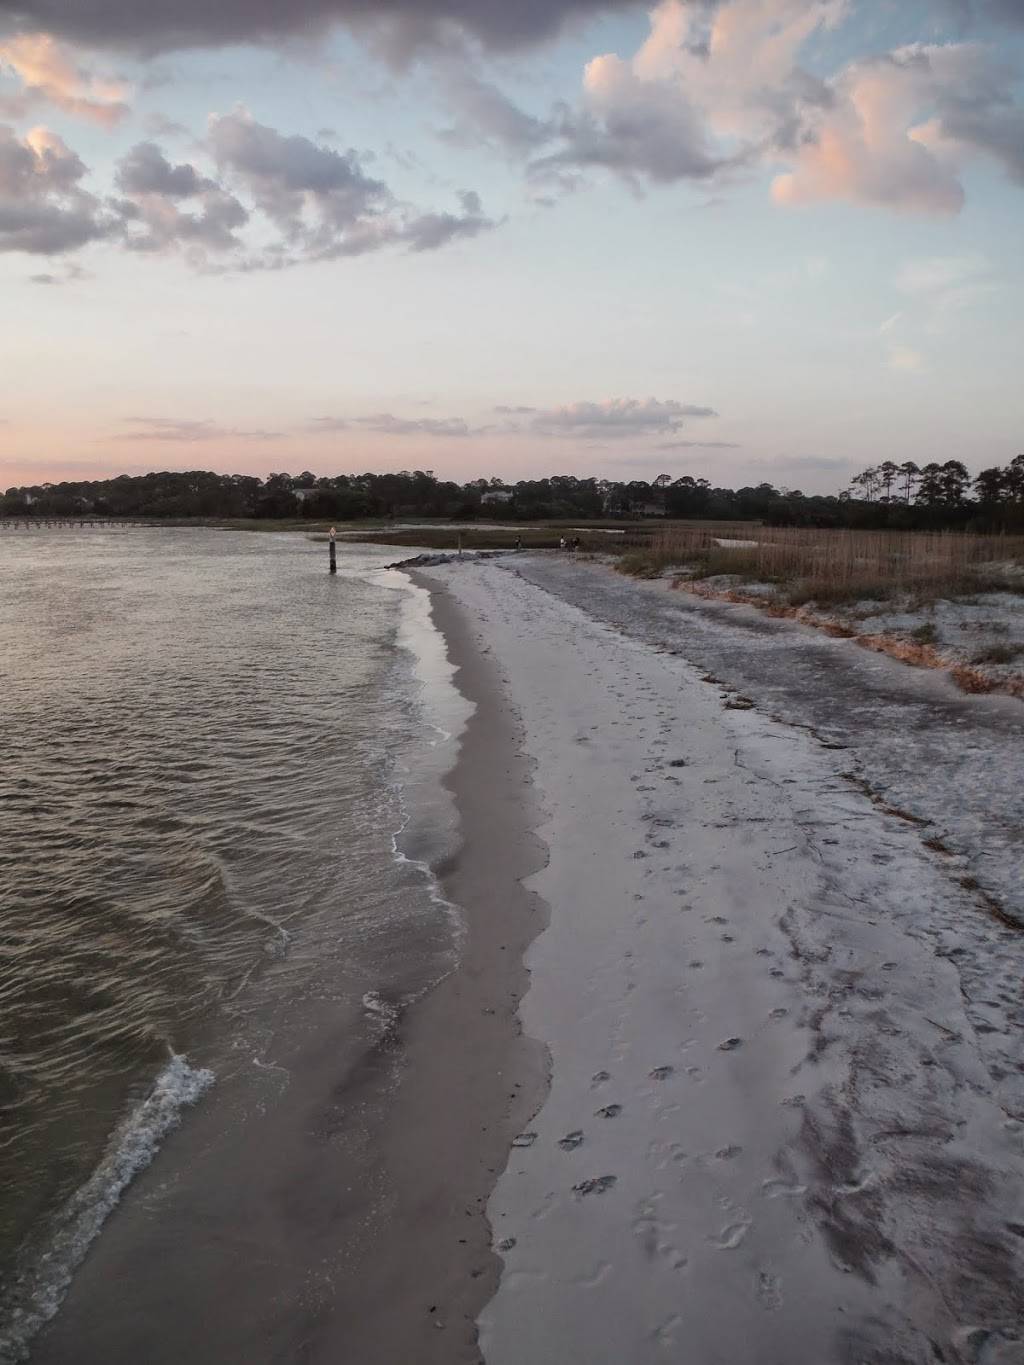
38 1292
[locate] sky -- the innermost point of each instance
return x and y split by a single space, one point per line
743 240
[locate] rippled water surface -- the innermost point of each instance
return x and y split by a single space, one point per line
201 733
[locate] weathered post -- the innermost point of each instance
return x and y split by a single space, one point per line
332 552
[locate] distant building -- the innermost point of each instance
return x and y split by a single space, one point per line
493 495
302 494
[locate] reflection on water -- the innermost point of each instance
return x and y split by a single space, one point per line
200 736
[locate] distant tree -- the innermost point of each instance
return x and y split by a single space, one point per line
868 482
929 486
887 476
991 485
909 475
955 481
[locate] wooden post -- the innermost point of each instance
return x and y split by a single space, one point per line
332 552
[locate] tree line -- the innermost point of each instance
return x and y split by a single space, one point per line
886 495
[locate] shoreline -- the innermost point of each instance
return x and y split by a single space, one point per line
367 1237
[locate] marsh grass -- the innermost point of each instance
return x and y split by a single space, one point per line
836 566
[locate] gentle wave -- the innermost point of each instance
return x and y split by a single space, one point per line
38 1292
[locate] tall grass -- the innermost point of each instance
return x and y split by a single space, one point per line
841 565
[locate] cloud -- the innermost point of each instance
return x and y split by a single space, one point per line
721 88
69 275
322 202
145 170
698 445
486 116
429 231
403 26
518 410
617 417
188 431
50 75
389 425
43 209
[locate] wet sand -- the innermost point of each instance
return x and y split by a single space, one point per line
341 1215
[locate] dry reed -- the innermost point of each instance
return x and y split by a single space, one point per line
839 565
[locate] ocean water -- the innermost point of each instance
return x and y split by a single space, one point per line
219 792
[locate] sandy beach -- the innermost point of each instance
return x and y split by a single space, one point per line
729 1071
784 1119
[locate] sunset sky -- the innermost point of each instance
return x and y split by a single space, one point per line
746 239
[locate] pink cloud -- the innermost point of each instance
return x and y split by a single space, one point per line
49 74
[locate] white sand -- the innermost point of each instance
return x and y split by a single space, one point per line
762 1049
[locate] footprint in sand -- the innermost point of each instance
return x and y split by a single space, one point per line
727 1153
731 1236
571 1140
598 1185
610 1111
524 1140
661 1073
730 1044
599 1077
769 1290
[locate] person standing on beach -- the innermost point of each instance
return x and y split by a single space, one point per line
561 542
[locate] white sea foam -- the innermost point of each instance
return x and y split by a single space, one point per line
39 1290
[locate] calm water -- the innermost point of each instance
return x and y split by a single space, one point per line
212 754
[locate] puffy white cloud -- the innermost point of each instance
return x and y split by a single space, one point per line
720 87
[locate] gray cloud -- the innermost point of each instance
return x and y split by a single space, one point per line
187 431
697 445
69 275
43 209
429 231
152 214
145 170
321 200
389 425
288 175
618 417
322 204
518 410
403 25
486 116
